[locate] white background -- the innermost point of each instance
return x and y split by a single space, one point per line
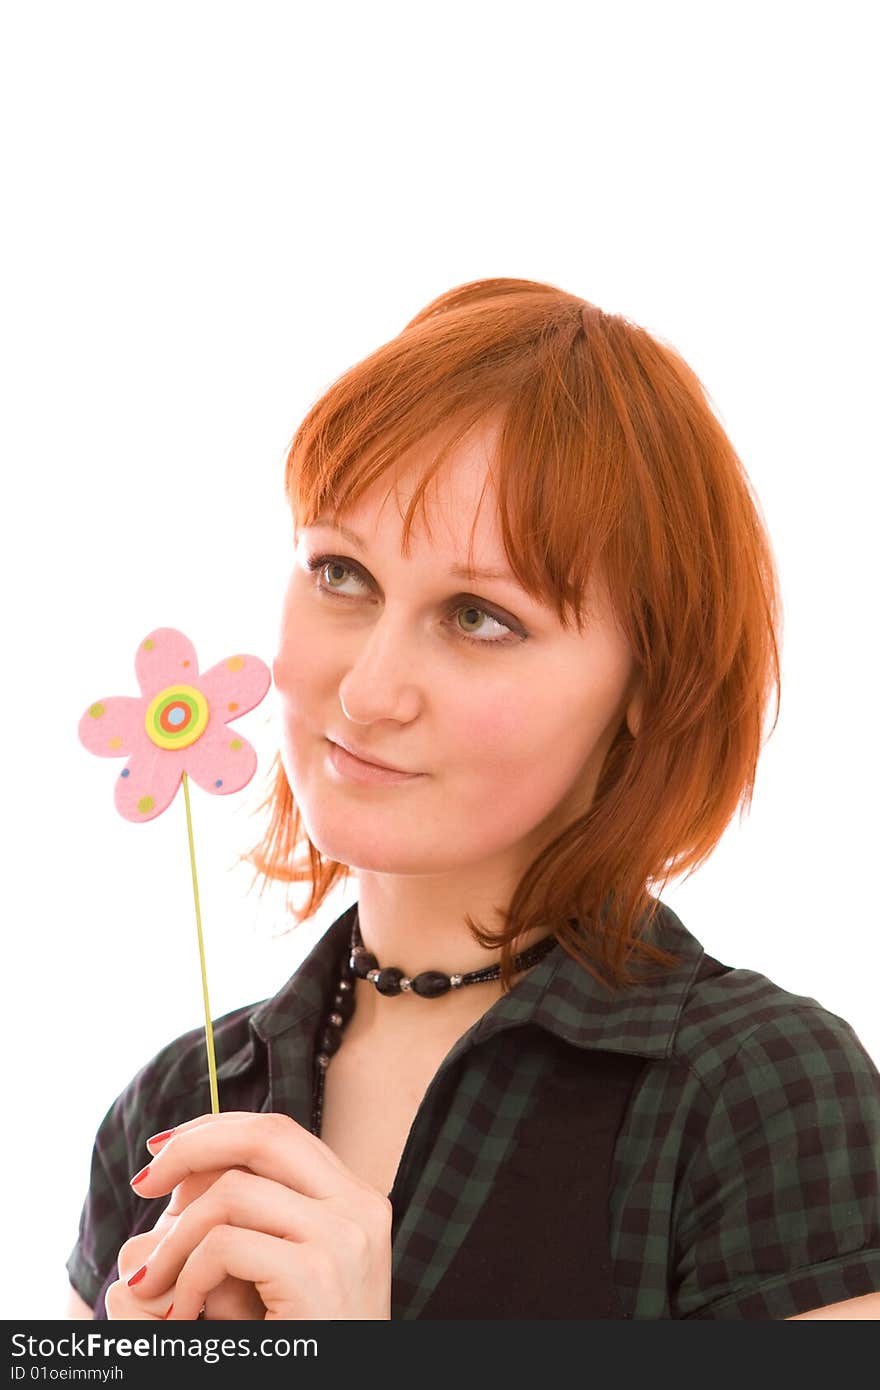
211 211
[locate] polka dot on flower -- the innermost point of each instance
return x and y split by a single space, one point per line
146 804
219 782
116 742
96 710
126 772
235 744
149 644
235 663
233 705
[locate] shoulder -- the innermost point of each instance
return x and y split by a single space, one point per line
776 1205
789 1099
173 1086
738 1021
709 1017
179 1068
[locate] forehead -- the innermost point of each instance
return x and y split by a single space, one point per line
458 512
456 525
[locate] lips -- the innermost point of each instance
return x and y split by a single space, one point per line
368 758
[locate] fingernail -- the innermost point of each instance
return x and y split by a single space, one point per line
137 1276
160 1138
168 1314
139 1177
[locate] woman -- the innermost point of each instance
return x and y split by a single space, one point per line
526 654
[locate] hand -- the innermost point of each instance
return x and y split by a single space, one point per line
233 1299
285 1215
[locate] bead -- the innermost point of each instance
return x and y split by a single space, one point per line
388 980
455 981
405 984
336 1019
344 1004
344 986
430 984
363 963
330 1040
323 1060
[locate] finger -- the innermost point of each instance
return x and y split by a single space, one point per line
234 1301
122 1302
188 1190
137 1250
272 1265
155 1142
252 1203
272 1146
134 1252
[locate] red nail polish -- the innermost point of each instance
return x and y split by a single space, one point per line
160 1138
137 1276
139 1177
168 1314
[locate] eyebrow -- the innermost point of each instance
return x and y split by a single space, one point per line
457 571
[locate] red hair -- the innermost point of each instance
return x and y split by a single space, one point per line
610 455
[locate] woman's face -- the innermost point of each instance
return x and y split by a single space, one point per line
505 715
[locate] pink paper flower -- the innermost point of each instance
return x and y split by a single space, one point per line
179 723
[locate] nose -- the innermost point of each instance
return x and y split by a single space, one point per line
378 682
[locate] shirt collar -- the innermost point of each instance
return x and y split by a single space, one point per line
558 994
563 997
312 984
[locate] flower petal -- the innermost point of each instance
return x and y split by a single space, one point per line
235 685
165 657
148 785
110 727
221 761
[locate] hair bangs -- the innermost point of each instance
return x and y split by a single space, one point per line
553 468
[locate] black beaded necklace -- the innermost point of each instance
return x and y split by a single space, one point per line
360 964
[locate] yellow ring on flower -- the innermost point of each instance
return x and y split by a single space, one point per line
176 717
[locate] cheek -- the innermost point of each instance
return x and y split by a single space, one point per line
504 772
496 723
300 673
302 654
502 728
519 749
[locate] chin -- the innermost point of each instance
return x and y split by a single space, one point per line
363 847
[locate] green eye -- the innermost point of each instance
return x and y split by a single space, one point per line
319 564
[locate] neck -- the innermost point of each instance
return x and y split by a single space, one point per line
418 924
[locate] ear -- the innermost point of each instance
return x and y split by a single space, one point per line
635 709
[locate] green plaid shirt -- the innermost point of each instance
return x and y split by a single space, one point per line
744 1181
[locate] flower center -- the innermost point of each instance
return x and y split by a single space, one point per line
176 717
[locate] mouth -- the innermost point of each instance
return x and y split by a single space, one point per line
370 761
353 766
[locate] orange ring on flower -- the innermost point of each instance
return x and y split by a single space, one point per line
176 717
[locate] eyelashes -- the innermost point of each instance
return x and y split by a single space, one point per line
317 563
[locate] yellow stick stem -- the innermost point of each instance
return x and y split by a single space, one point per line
209 1031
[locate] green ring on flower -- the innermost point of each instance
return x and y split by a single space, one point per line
176 717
